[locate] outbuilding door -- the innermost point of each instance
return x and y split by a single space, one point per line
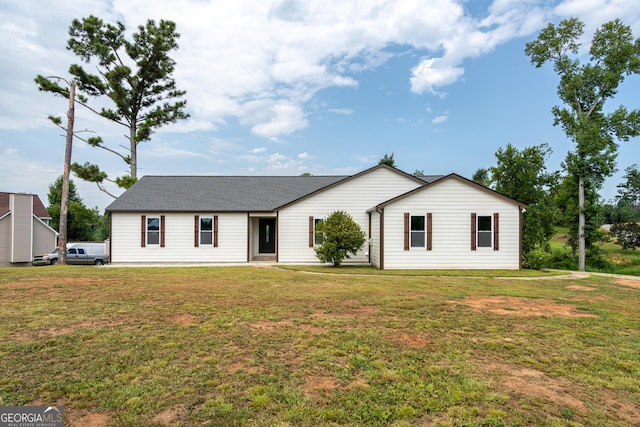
267 235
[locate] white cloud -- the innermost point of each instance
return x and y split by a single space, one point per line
262 62
594 13
432 73
258 150
270 118
172 150
343 111
440 119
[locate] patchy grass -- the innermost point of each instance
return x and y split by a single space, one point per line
254 346
370 270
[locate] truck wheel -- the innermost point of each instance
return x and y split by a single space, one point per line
54 261
99 262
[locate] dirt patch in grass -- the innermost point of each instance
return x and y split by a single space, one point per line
580 288
185 319
52 332
411 341
169 415
520 307
88 420
559 391
628 282
535 384
314 330
354 313
316 383
629 411
270 325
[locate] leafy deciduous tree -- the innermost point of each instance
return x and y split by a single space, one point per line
584 89
565 199
342 236
522 175
628 235
629 191
482 177
618 211
83 223
387 160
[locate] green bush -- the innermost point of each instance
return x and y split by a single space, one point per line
537 259
341 236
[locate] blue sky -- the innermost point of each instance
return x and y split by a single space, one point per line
327 87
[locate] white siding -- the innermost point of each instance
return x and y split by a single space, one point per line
21 206
375 239
5 239
179 239
451 203
44 237
354 196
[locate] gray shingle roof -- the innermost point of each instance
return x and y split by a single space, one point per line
217 193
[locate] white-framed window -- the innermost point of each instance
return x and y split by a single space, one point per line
484 231
153 230
418 231
206 231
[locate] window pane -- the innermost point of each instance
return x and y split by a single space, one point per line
417 239
206 224
484 239
153 238
153 224
206 238
417 223
484 223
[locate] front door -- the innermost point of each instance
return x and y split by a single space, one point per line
267 235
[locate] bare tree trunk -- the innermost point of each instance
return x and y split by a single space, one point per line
64 200
581 224
134 151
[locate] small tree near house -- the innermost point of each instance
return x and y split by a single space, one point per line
342 236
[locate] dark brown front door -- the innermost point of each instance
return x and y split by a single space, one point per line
267 235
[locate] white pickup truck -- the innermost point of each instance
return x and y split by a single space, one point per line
77 253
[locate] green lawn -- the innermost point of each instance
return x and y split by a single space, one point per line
270 347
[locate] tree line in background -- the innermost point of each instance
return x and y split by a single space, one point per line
83 223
